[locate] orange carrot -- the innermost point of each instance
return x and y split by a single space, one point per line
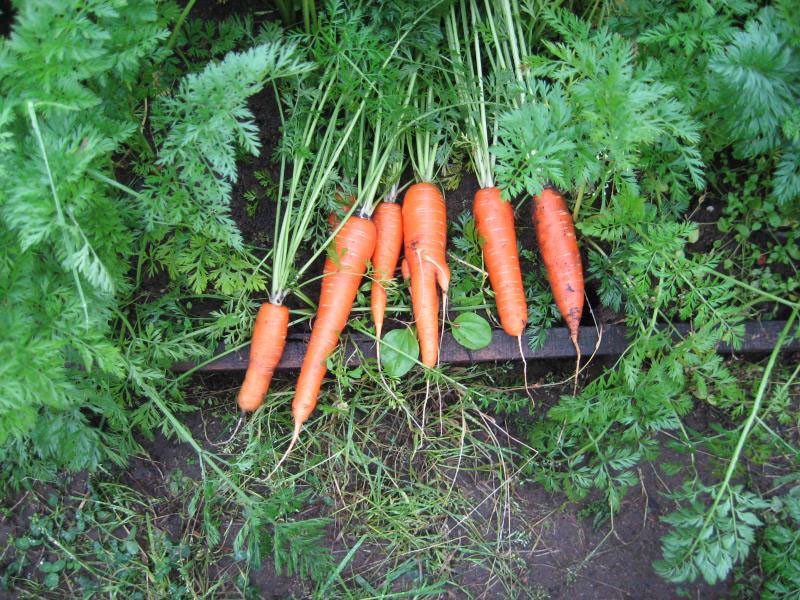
388 220
353 247
425 236
494 220
266 349
558 246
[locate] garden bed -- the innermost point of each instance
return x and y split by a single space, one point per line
133 247
758 338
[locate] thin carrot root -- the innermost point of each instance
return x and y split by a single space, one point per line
525 370
444 319
425 402
441 409
295 436
242 417
574 339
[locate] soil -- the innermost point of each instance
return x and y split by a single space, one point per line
7 15
563 555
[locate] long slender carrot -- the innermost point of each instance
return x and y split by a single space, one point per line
425 236
555 233
266 349
353 247
388 219
494 220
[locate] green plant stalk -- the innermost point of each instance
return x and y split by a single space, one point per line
97 175
59 211
179 23
286 9
515 37
366 197
754 289
292 231
778 438
577 208
283 219
748 425
468 80
309 15
184 434
423 144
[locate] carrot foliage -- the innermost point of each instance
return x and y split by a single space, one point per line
103 192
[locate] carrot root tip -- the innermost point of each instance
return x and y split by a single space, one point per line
298 425
574 338
525 371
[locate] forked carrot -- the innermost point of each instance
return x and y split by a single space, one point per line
404 270
425 237
266 349
555 233
388 219
494 220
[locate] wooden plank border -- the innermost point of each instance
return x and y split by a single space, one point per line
759 337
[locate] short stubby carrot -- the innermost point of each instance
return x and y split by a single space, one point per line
266 349
388 221
353 247
494 220
555 233
425 237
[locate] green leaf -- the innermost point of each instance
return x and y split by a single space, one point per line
472 331
51 581
397 362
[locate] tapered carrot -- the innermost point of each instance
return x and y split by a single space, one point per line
494 220
425 237
266 349
555 233
388 219
353 247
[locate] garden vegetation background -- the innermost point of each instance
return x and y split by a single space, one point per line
139 140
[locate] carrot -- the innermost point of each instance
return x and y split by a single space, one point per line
266 349
388 221
555 233
425 236
353 247
345 204
494 220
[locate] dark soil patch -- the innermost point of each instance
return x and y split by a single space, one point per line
7 15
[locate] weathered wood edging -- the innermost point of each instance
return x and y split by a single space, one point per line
759 337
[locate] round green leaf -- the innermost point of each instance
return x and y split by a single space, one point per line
395 363
51 581
472 331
